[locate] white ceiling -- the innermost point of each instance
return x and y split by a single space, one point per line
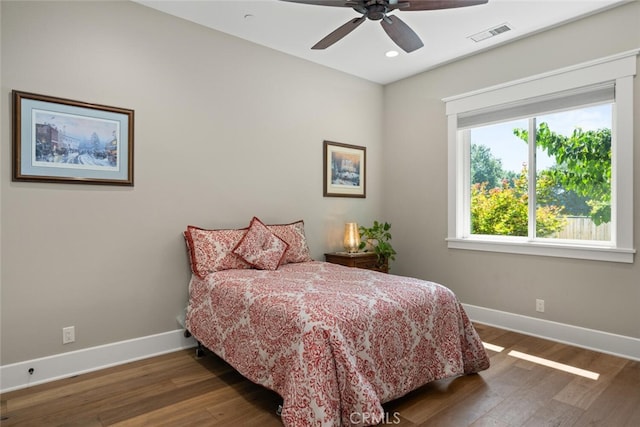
293 28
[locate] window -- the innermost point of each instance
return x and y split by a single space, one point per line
544 165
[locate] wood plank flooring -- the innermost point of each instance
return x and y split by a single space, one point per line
179 390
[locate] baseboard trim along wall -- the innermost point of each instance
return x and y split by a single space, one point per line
64 365
16 376
603 342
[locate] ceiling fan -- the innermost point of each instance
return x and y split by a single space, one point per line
376 10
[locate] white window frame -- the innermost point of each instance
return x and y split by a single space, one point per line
619 69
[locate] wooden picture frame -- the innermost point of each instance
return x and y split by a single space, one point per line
344 170
64 141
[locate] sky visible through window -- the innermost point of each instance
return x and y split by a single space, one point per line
512 151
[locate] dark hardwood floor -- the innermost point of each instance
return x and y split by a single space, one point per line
179 390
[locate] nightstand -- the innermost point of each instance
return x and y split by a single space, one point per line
366 260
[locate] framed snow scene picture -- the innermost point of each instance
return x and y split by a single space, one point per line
65 141
344 170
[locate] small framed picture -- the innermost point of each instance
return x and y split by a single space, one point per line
344 170
65 141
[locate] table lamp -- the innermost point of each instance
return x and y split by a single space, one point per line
351 237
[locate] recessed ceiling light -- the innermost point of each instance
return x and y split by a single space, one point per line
391 54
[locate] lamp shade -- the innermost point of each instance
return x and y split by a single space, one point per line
351 237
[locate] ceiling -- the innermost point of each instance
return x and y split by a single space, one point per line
293 28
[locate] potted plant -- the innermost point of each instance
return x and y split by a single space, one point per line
377 238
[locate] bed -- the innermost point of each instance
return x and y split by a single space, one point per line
334 342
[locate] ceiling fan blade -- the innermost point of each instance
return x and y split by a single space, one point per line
401 33
339 33
397 4
436 4
337 3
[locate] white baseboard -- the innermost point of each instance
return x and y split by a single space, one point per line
603 342
16 376
64 365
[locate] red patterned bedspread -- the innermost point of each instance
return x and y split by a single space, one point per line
335 342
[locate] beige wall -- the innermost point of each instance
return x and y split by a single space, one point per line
224 130
597 295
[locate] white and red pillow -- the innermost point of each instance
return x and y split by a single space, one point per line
294 235
260 247
213 250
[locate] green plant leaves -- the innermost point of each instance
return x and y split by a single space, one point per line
381 235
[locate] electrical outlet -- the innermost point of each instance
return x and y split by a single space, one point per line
68 334
540 305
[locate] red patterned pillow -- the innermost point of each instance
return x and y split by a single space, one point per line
260 247
294 235
212 250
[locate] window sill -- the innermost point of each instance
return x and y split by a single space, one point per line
594 253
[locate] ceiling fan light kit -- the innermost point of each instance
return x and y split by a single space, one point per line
377 10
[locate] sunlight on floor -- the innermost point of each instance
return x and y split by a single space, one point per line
492 347
544 362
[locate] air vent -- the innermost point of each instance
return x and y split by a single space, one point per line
483 35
